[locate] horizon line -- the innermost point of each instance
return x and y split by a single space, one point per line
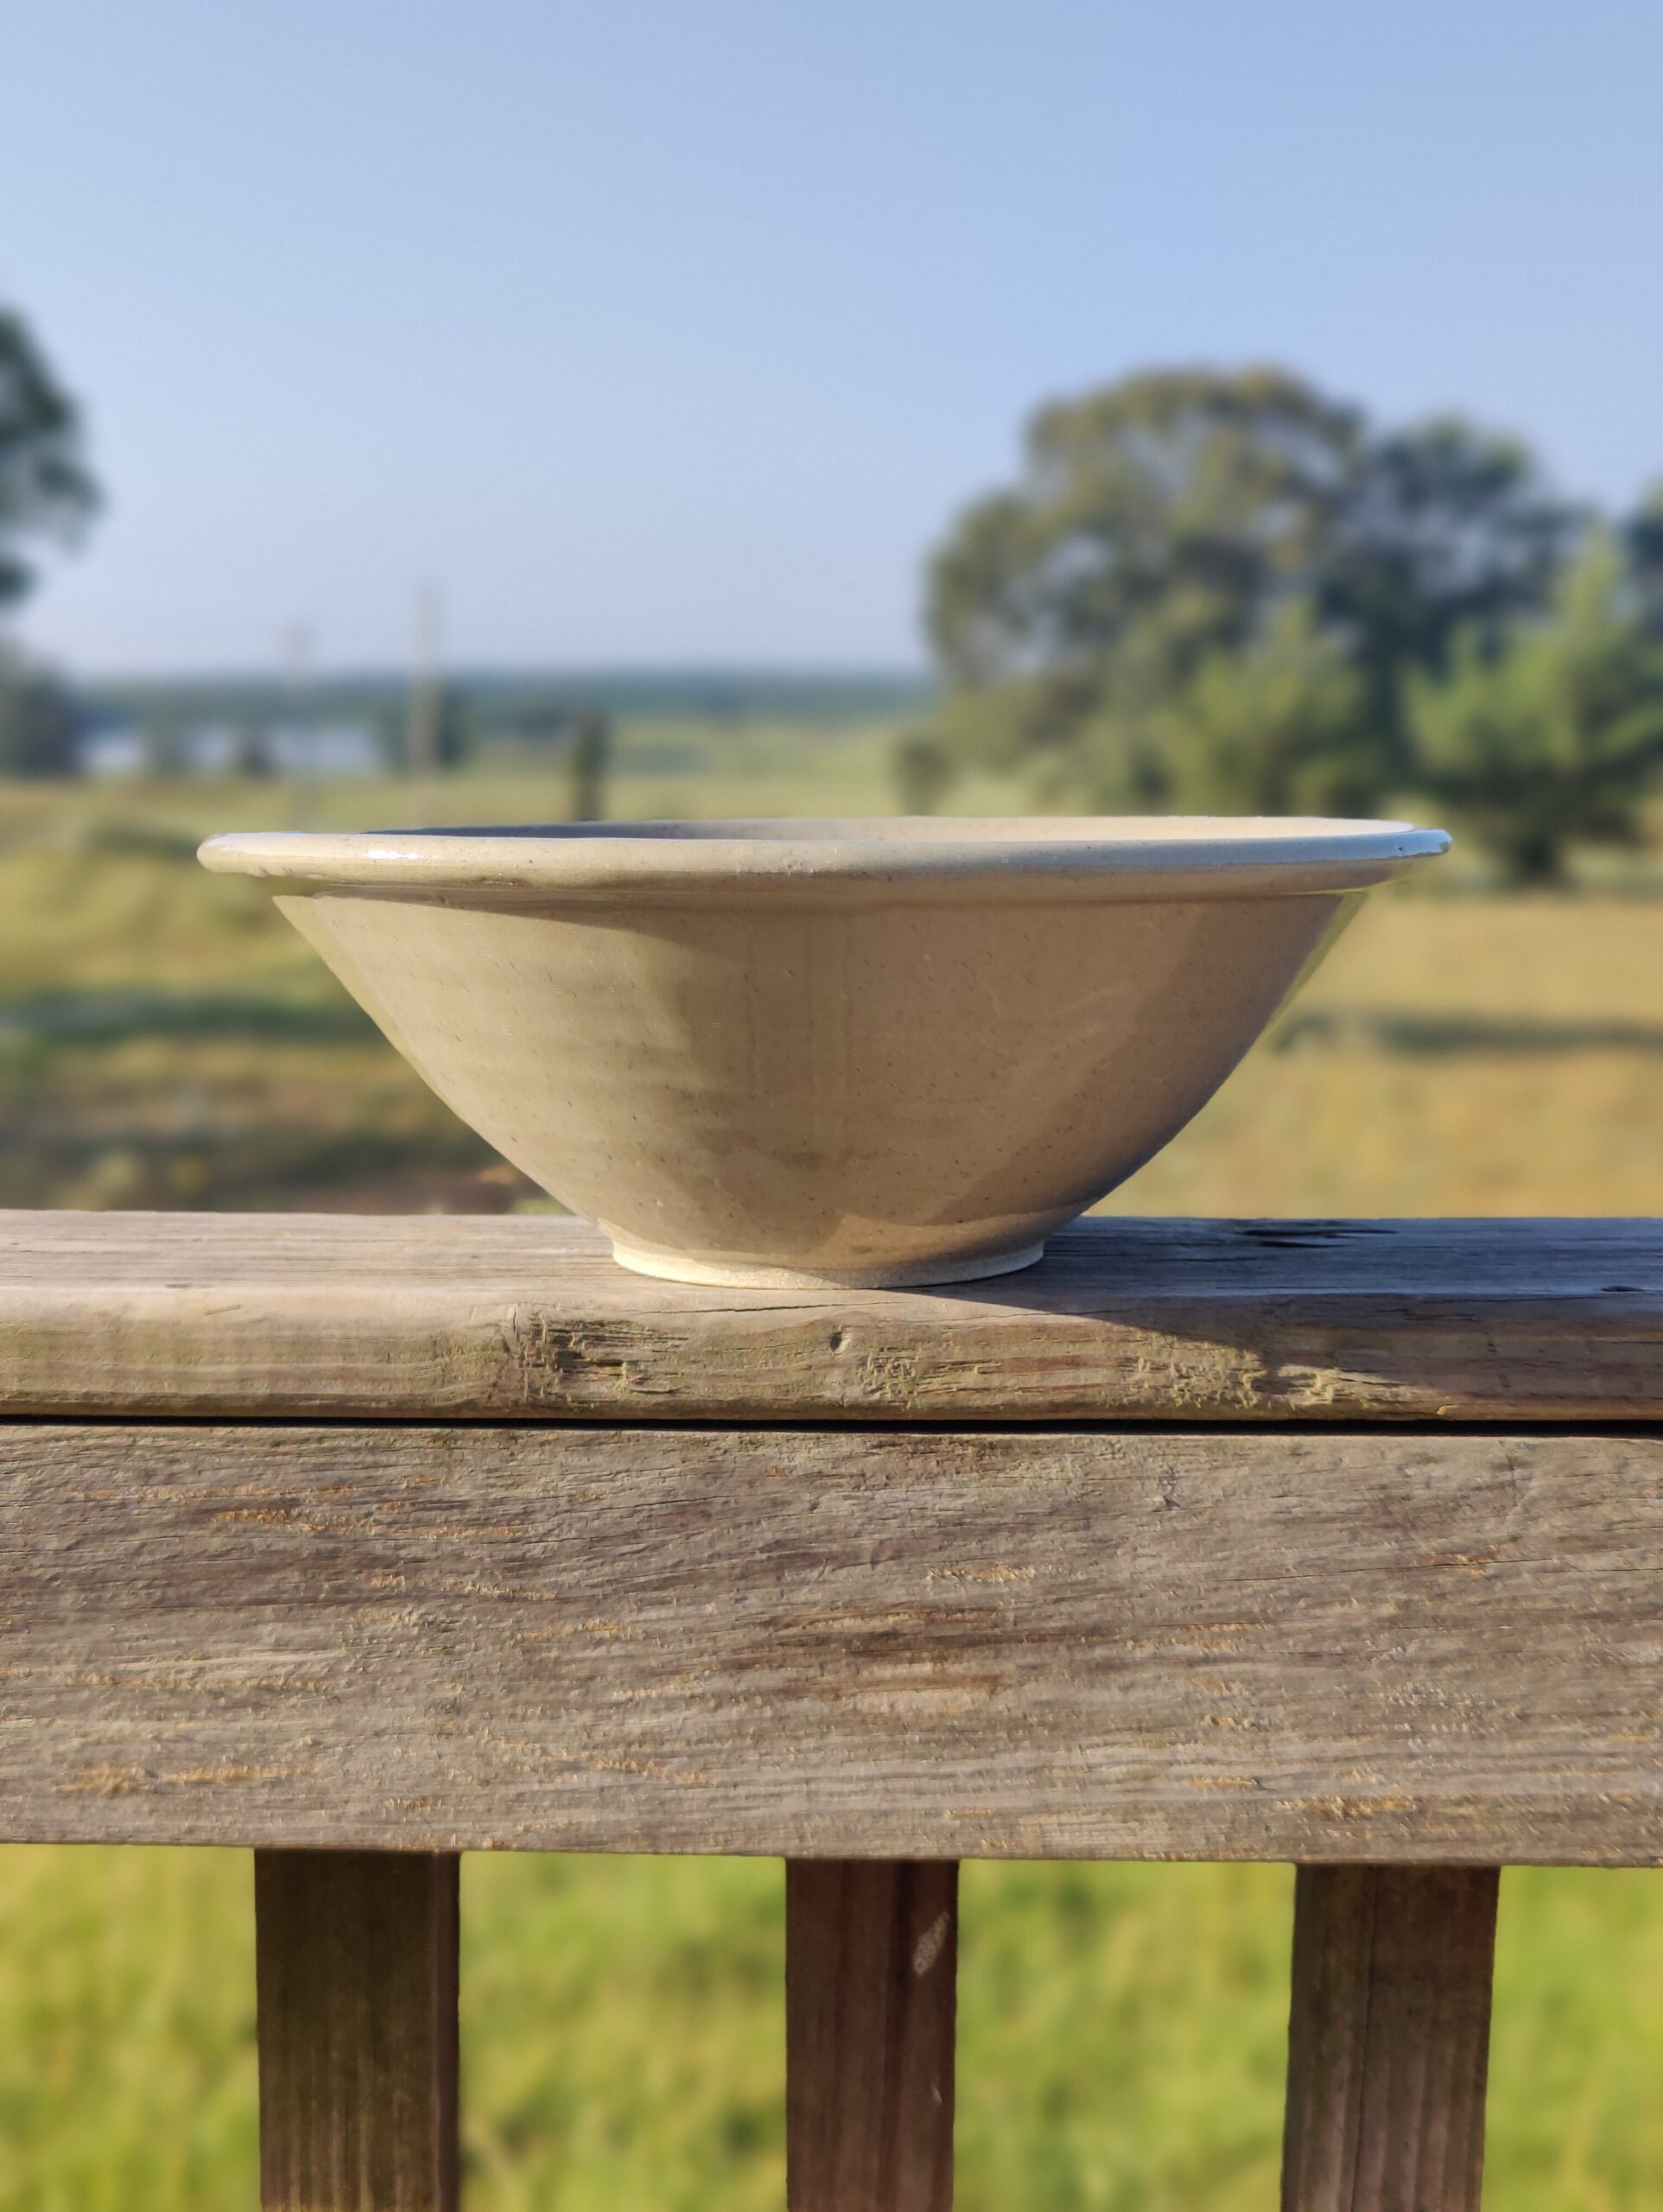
462 671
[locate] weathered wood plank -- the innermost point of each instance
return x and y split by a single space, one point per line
355 1967
1388 2038
1400 1644
177 1314
871 1991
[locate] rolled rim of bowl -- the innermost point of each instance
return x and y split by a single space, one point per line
1148 857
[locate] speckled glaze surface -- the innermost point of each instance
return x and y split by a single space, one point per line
870 1053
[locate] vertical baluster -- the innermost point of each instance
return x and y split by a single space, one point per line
356 1964
1388 2038
871 1982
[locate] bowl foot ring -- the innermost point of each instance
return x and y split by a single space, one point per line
739 1274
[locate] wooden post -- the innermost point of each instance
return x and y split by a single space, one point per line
356 1965
1388 2039
871 1982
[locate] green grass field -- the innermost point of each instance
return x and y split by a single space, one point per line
165 1040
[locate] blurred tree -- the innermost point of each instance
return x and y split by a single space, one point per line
1642 542
453 733
251 751
1447 531
1274 727
1155 523
1191 496
1557 740
589 758
1166 521
40 730
163 735
47 490
438 732
924 773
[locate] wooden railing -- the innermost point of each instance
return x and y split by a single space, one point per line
367 1542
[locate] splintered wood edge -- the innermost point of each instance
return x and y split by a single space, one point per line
478 1318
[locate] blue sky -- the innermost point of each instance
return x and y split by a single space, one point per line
675 330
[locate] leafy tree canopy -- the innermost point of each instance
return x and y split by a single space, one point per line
1447 530
1553 741
1164 526
1189 499
1642 546
38 725
47 490
1272 729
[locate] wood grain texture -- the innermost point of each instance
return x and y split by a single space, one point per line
1388 2038
1397 1644
871 1995
355 1958
177 1314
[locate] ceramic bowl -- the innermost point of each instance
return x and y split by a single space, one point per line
858 1053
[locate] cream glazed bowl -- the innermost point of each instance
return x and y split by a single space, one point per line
851 1052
